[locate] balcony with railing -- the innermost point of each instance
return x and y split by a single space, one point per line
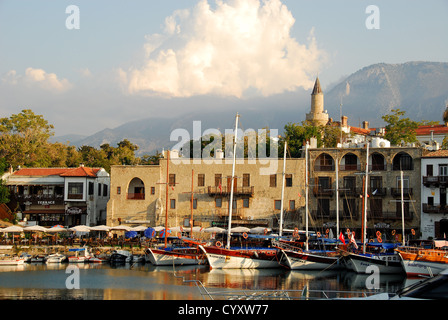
434 208
224 191
396 192
135 196
435 181
39 199
323 192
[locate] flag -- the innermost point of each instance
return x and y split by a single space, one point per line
341 237
352 240
374 192
220 187
299 195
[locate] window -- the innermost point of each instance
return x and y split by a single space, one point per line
201 180
173 204
324 163
349 184
91 188
75 190
99 189
376 183
218 202
273 181
245 202
323 207
218 179
443 170
376 207
195 203
118 190
105 190
153 190
403 161
246 180
324 184
277 204
172 179
288 180
349 207
429 170
292 205
431 201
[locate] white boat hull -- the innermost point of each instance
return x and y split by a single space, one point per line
308 261
12 262
226 261
359 263
423 268
55 258
159 258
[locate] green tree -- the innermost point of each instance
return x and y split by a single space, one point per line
399 129
4 192
24 139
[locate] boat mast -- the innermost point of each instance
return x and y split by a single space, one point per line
402 208
366 183
283 190
232 182
306 196
191 205
167 187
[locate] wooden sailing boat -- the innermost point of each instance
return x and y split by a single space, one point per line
227 258
293 256
418 261
386 260
186 254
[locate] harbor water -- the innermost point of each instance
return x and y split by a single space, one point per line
65 281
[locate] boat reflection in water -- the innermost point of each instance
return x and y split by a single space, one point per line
147 282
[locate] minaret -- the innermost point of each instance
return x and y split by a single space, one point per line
317 116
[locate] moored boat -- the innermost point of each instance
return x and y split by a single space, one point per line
121 256
55 258
77 258
221 258
379 255
418 261
296 259
175 256
11 260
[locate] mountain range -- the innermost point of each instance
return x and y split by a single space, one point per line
419 88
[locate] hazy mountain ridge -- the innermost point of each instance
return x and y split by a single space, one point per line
419 88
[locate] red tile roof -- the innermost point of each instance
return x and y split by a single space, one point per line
63 172
426 130
435 154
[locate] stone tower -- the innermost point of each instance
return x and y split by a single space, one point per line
318 116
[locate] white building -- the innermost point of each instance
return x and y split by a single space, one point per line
66 196
434 217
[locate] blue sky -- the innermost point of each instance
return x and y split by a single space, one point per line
115 69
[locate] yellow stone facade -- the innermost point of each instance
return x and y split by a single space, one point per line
138 193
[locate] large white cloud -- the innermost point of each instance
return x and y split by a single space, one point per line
37 78
237 47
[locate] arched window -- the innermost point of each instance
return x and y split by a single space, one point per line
377 161
324 163
403 161
350 162
136 189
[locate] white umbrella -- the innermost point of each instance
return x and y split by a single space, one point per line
260 230
81 228
159 228
100 228
139 228
121 227
214 230
56 229
176 229
196 229
35 228
240 229
12 229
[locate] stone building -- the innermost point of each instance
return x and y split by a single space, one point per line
140 193
317 116
384 188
